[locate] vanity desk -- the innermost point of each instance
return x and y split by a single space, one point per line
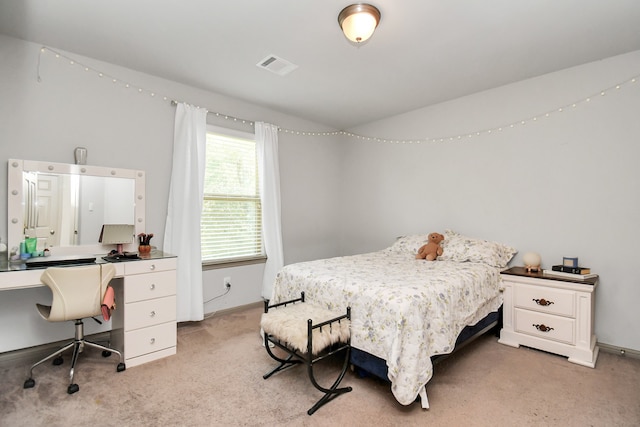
144 323
64 208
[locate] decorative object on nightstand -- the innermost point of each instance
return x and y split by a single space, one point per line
574 276
550 313
532 261
570 269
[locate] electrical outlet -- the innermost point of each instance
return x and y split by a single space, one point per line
227 283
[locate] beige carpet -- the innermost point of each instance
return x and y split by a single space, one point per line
216 380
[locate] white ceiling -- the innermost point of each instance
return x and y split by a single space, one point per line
423 52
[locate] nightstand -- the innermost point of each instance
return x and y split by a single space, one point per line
551 314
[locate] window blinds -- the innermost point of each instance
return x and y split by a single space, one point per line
231 225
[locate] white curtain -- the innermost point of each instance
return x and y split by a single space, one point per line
182 230
269 171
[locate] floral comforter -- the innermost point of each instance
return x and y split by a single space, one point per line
403 310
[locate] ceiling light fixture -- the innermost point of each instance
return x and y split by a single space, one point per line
359 21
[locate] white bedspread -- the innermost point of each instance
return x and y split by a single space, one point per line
403 310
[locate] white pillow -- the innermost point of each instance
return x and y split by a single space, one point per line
459 248
409 244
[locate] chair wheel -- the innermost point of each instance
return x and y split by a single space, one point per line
121 367
72 388
58 361
106 353
29 383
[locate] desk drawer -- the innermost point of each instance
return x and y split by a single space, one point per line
148 313
550 327
546 300
149 266
148 340
142 287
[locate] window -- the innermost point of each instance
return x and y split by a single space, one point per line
231 225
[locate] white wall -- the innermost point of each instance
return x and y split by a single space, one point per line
122 128
566 185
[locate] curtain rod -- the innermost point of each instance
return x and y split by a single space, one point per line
224 116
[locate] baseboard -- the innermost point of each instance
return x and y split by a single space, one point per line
231 310
32 354
620 351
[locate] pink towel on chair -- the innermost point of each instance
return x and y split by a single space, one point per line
108 303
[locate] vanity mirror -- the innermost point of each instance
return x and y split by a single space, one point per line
64 206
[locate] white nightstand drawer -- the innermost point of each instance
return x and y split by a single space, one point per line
151 312
149 266
148 286
148 340
547 300
546 326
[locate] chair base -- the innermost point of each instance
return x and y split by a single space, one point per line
78 345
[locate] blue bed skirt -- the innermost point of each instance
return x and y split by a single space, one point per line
366 364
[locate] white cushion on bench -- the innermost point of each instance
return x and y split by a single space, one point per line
289 324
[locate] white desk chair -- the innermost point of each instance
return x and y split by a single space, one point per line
77 294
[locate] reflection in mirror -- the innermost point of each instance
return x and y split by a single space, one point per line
67 210
66 205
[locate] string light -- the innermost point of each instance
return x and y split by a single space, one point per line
438 139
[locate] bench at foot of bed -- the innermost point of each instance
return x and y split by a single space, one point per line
307 334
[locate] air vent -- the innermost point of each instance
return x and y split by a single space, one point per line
277 65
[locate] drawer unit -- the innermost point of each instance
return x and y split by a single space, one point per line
149 266
546 300
545 326
151 312
550 314
149 286
151 339
147 325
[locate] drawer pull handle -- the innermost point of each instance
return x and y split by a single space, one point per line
152 341
543 328
152 314
153 286
152 267
542 302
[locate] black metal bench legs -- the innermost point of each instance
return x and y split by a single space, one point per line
333 391
331 329
284 363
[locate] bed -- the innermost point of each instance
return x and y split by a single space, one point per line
404 311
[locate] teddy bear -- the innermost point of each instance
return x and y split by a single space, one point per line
432 249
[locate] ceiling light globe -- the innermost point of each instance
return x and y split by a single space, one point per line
359 27
359 21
